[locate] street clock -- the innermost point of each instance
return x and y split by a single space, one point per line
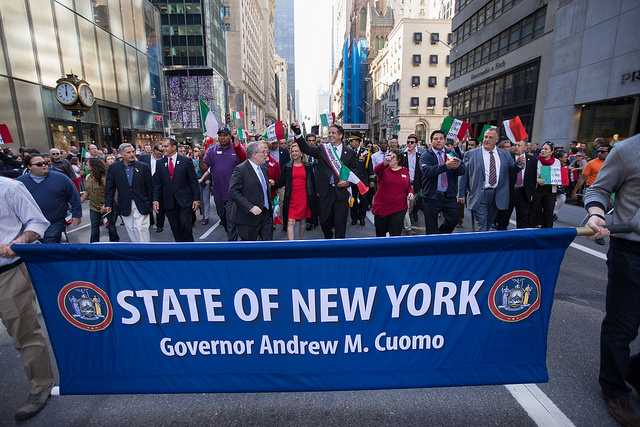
66 93
85 94
75 95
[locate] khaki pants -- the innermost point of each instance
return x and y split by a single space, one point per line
19 316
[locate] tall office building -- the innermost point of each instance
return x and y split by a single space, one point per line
194 52
284 26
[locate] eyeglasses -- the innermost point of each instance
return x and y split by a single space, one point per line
55 154
411 142
39 164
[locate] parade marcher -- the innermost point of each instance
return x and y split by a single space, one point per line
300 192
544 197
333 193
95 186
394 188
222 158
151 160
440 169
53 192
620 174
60 164
21 221
378 156
204 180
365 173
176 181
487 181
590 171
412 163
250 191
561 194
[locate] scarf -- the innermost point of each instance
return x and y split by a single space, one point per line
546 162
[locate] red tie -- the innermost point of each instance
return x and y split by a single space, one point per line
170 168
519 179
444 181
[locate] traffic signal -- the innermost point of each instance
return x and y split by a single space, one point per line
228 118
391 114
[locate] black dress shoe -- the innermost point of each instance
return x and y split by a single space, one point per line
622 411
35 403
362 223
354 221
159 229
309 227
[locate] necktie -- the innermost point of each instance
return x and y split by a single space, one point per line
264 187
519 179
493 177
444 181
170 168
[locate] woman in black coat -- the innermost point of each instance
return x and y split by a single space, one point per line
291 179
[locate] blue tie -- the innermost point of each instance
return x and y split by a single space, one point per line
264 187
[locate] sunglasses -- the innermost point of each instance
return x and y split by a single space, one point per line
39 164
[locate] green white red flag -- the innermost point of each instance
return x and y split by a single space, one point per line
486 128
455 128
238 115
5 135
327 119
209 122
275 132
243 134
555 175
514 130
343 172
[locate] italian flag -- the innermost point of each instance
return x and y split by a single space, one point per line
243 134
327 119
238 115
275 132
209 122
84 154
486 128
343 172
307 118
5 135
554 175
455 128
514 130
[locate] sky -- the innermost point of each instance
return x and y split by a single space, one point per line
313 52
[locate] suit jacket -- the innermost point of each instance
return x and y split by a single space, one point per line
324 171
141 189
530 175
182 190
417 174
431 169
284 158
473 180
245 190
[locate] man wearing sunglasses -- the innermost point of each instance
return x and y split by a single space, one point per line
53 192
590 171
61 164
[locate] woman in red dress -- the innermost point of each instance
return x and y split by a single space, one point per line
299 192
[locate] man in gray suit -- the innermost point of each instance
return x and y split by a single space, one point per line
487 180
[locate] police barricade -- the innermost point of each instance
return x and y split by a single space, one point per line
424 311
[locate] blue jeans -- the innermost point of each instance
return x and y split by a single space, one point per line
96 219
621 323
52 234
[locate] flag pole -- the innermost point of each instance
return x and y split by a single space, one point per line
613 229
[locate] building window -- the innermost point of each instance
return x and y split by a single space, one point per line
446 102
450 38
363 19
227 27
431 102
225 11
433 59
433 81
435 38
415 81
415 101
446 81
417 59
417 38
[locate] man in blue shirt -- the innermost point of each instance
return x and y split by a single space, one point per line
53 192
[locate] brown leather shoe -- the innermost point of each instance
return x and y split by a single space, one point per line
35 403
622 411
409 232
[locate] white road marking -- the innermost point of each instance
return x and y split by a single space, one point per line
210 230
538 406
78 228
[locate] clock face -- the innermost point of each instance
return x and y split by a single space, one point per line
85 94
66 93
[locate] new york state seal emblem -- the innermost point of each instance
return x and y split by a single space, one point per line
85 306
515 296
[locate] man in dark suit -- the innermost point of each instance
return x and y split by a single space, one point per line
411 161
487 181
250 192
151 160
440 169
175 180
334 196
365 173
523 185
133 181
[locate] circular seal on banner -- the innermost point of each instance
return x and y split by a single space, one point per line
515 296
85 306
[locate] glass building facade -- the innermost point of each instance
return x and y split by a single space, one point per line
114 45
284 42
195 61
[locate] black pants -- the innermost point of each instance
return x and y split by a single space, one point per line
159 217
264 228
360 204
224 209
450 210
333 215
391 224
544 199
180 221
517 200
621 323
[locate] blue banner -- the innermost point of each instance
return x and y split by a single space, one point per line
460 309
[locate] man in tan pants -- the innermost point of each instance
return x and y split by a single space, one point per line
21 221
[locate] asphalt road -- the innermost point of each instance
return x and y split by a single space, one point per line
571 397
